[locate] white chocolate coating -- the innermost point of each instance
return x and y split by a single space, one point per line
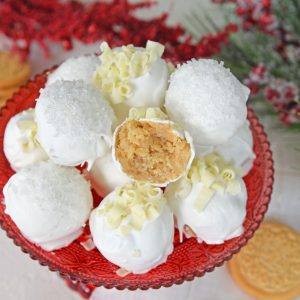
131 76
75 68
207 100
238 150
48 203
74 122
148 90
138 251
220 220
20 145
105 176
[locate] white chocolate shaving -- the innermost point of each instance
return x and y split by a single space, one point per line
136 253
133 205
147 113
215 174
28 129
88 245
118 66
171 67
122 272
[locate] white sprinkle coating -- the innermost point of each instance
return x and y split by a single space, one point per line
74 122
48 202
76 68
207 100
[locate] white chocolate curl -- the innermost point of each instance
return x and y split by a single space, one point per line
21 147
120 65
131 76
139 202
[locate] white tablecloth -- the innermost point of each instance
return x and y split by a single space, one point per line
24 279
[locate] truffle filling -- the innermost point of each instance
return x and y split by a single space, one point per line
151 151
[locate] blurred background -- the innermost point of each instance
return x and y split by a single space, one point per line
258 40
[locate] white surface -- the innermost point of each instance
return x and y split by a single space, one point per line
24 279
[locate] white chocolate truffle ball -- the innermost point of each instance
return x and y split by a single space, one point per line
105 176
207 100
134 228
20 145
238 150
48 203
152 149
74 122
75 68
211 201
132 76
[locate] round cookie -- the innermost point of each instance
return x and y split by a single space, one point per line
7 92
268 267
12 70
2 101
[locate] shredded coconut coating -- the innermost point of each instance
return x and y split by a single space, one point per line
73 119
76 68
151 151
207 100
48 201
46 181
76 109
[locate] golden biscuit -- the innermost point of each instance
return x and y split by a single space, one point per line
268 268
2 101
13 72
8 92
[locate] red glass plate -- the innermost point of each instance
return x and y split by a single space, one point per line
189 258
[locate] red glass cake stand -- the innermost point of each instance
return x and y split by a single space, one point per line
189 259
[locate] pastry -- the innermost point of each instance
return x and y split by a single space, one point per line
75 68
151 148
134 228
210 201
267 268
49 204
74 123
207 100
20 145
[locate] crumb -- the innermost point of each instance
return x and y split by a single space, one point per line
151 151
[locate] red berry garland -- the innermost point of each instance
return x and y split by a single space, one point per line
29 21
